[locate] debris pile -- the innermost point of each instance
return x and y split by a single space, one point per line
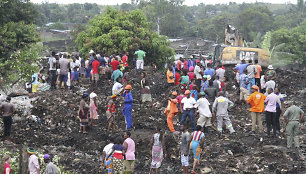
52 126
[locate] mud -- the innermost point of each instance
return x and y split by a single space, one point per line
80 153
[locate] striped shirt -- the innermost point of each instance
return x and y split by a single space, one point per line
197 135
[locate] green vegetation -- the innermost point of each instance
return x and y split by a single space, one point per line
116 32
18 38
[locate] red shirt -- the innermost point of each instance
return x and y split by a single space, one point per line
177 79
185 64
95 67
125 60
7 166
115 64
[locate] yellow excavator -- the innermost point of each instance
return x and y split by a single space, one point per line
235 49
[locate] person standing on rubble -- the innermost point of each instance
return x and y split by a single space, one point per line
116 74
140 56
243 81
145 90
95 72
50 168
33 167
195 144
258 74
157 150
64 65
170 76
127 107
110 113
251 71
198 74
171 110
293 116
83 113
205 115
129 153
256 100
279 108
7 110
93 107
107 157
188 107
271 101
270 73
220 108
117 155
185 139
52 71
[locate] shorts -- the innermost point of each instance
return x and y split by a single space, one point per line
34 88
63 78
95 77
185 160
204 121
83 123
139 64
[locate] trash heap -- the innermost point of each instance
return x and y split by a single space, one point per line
52 126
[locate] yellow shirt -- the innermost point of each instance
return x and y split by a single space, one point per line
170 74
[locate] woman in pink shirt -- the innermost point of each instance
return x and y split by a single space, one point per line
4 165
191 73
129 152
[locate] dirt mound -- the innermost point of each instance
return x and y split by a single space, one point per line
242 153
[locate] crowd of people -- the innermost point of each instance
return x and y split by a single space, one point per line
203 91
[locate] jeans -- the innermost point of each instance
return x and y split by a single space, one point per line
257 82
53 79
189 113
271 120
7 121
252 82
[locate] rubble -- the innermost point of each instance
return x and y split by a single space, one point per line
241 153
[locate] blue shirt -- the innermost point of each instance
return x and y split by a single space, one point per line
35 75
241 67
102 61
194 94
205 85
128 98
243 79
280 98
209 71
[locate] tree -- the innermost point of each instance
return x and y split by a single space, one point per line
254 20
116 32
294 42
18 38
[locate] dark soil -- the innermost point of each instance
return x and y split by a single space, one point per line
240 153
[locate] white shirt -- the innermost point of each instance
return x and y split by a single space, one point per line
203 107
270 84
188 103
52 63
74 64
92 96
33 164
220 72
197 71
108 148
116 86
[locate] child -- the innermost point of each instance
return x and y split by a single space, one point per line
83 113
110 113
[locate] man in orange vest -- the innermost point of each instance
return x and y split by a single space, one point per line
171 110
256 100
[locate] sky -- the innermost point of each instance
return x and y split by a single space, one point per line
187 2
